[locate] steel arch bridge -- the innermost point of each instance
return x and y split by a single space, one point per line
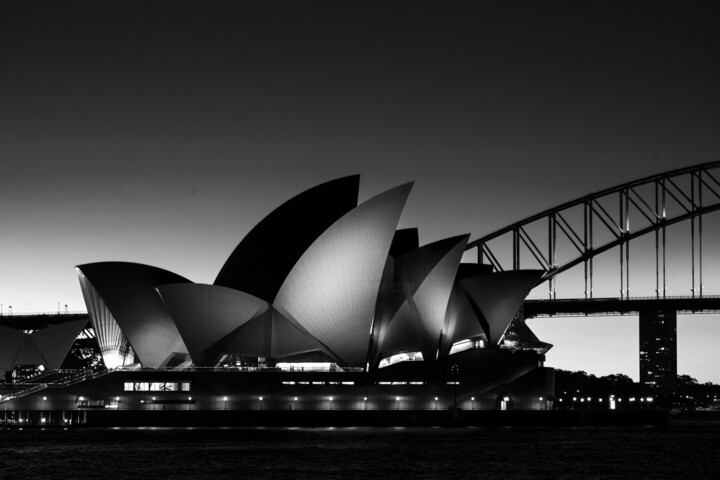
601 221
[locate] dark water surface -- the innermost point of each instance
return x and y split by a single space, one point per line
684 449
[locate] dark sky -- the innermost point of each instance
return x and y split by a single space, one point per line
161 132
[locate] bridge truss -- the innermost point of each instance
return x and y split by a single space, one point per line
601 221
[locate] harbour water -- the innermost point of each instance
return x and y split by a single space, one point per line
686 448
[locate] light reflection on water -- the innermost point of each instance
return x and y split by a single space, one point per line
684 450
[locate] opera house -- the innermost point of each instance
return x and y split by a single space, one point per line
324 304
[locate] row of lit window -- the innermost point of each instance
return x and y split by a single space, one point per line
157 386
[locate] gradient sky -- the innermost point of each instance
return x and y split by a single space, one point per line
161 132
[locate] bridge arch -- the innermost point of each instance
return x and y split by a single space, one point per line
601 221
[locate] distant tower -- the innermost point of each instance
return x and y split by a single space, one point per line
658 348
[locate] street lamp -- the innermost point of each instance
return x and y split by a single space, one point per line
153 403
189 403
261 404
330 404
365 401
397 403
43 415
436 399
225 402
295 400
472 403
117 399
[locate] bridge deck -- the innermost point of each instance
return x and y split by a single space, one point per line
617 306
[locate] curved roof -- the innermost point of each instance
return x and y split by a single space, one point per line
128 292
12 343
405 240
390 298
55 341
431 298
332 290
267 254
114 345
498 297
461 323
48 346
425 278
205 314
271 335
215 321
402 334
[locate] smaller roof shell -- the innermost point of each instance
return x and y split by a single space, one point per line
498 297
128 291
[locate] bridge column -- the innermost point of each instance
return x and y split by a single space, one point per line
658 348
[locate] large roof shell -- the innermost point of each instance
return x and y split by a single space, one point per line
431 298
498 297
128 292
333 288
461 322
114 345
424 278
267 254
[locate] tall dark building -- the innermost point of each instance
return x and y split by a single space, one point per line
658 348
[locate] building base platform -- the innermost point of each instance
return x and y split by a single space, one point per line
347 418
